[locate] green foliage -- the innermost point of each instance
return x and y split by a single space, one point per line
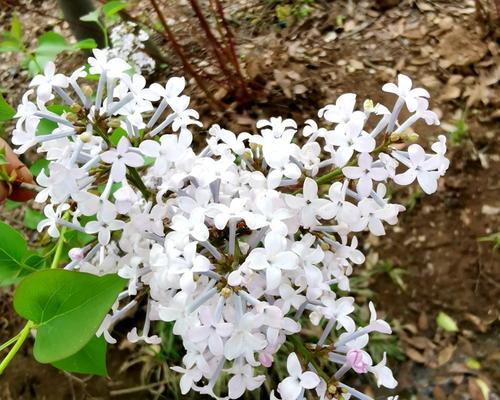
287 11
414 199
494 238
91 359
6 111
104 16
67 308
32 218
49 45
38 166
460 130
16 261
386 267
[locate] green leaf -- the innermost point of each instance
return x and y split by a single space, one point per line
117 134
34 260
11 205
446 322
45 127
67 307
32 218
38 166
6 111
91 359
85 44
112 7
12 40
16 29
92 16
50 44
12 250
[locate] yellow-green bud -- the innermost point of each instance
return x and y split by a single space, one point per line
87 90
86 137
395 137
368 105
75 107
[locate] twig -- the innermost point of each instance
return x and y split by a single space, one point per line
168 34
135 389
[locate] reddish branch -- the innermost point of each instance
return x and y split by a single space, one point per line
168 34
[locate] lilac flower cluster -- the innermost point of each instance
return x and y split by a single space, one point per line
240 244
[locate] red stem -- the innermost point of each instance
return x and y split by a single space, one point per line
168 34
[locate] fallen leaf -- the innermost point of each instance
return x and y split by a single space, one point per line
450 93
447 323
414 355
445 355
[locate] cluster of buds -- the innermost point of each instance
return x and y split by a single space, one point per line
239 244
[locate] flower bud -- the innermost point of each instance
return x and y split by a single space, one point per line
395 137
226 292
114 123
368 105
75 107
265 359
87 90
76 254
86 137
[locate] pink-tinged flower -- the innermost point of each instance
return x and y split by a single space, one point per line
120 158
359 360
291 388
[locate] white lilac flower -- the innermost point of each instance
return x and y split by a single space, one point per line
234 243
292 387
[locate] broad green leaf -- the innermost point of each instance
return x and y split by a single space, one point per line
112 7
446 322
32 218
34 260
40 165
89 360
12 40
85 44
12 250
67 307
50 44
92 16
6 111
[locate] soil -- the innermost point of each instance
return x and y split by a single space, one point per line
450 48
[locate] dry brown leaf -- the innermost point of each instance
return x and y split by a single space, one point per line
459 47
414 355
299 89
445 355
450 93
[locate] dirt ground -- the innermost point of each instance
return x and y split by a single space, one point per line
449 47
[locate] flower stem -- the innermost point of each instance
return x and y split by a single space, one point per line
19 342
20 338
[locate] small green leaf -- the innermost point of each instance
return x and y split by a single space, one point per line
472 363
50 44
112 7
12 250
45 127
32 218
67 307
117 134
38 166
446 322
6 111
11 205
16 29
92 16
89 360
85 44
